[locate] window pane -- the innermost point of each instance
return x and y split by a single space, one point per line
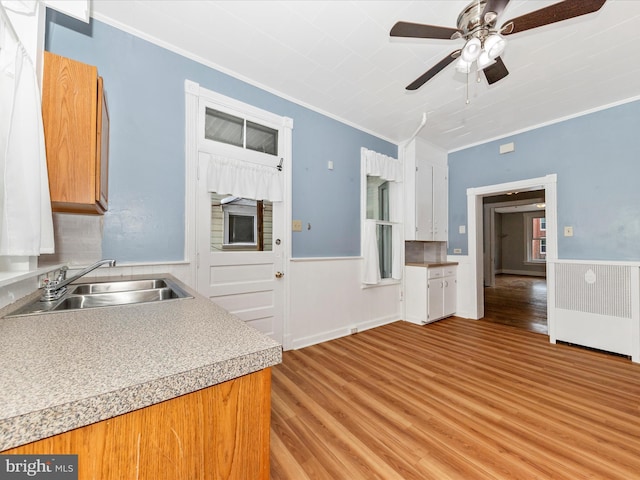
377 198
230 235
222 127
262 139
539 227
384 250
241 229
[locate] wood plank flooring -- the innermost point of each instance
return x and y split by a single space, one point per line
519 301
456 399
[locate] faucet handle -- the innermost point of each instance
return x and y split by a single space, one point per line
62 274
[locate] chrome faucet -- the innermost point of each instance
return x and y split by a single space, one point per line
56 288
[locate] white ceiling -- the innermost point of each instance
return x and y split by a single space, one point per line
337 57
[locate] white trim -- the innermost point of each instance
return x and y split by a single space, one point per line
474 215
528 273
194 93
324 259
202 61
341 332
550 122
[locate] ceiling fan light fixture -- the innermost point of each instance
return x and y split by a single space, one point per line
494 45
462 66
484 60
471 50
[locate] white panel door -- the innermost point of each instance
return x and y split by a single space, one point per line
248 284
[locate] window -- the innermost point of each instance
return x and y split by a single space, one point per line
233 130
378 208
536 237
240 224
381 231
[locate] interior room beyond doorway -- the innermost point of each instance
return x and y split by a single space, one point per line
515 260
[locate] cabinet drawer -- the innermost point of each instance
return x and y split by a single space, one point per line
435 272
449 271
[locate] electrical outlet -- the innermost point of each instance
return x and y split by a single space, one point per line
296 225
354 330
457 250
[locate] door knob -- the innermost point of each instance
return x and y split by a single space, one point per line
279 274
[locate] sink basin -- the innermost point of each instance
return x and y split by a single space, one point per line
122 286
75 302
106 294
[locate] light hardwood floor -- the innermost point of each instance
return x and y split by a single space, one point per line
519 301
456 399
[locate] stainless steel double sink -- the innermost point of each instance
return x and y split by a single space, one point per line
106 294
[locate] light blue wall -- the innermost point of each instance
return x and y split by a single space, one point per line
597 160
145 93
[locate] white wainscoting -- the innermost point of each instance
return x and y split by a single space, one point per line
327 301
466 281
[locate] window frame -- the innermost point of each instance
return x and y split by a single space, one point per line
232 150
240 211
529 238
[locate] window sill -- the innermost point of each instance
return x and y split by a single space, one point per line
383 283
535 262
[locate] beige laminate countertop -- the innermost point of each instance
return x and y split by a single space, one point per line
65 370
430 264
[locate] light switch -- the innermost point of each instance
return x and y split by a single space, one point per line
296 225
462 229
568 231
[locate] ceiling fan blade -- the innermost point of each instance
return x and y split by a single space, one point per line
551 14
419 30
494 8
496 71
433 71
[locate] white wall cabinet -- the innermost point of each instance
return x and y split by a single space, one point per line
426 192
430 293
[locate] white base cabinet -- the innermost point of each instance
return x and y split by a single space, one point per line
430 293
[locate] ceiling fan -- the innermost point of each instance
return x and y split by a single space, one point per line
484 41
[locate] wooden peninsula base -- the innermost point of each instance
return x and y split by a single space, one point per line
220 432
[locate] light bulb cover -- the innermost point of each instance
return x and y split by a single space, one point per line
471 50
462 66
484 60
494 45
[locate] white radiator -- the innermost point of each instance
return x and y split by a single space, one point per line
596 305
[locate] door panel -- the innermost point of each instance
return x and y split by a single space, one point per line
242 282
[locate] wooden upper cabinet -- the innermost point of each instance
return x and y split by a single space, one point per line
76 128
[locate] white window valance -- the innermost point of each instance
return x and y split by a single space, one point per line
244 179
383 166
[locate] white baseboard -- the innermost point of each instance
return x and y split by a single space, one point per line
529 273
340 332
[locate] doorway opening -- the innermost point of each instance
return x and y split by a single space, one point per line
514 251
475 215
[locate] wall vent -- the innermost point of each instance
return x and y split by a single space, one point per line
591 288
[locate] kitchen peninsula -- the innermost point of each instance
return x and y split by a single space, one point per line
176 389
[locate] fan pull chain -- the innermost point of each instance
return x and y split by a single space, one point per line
467 102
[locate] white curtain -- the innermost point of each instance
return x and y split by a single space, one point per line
390 169
244 179
371 267
26 223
